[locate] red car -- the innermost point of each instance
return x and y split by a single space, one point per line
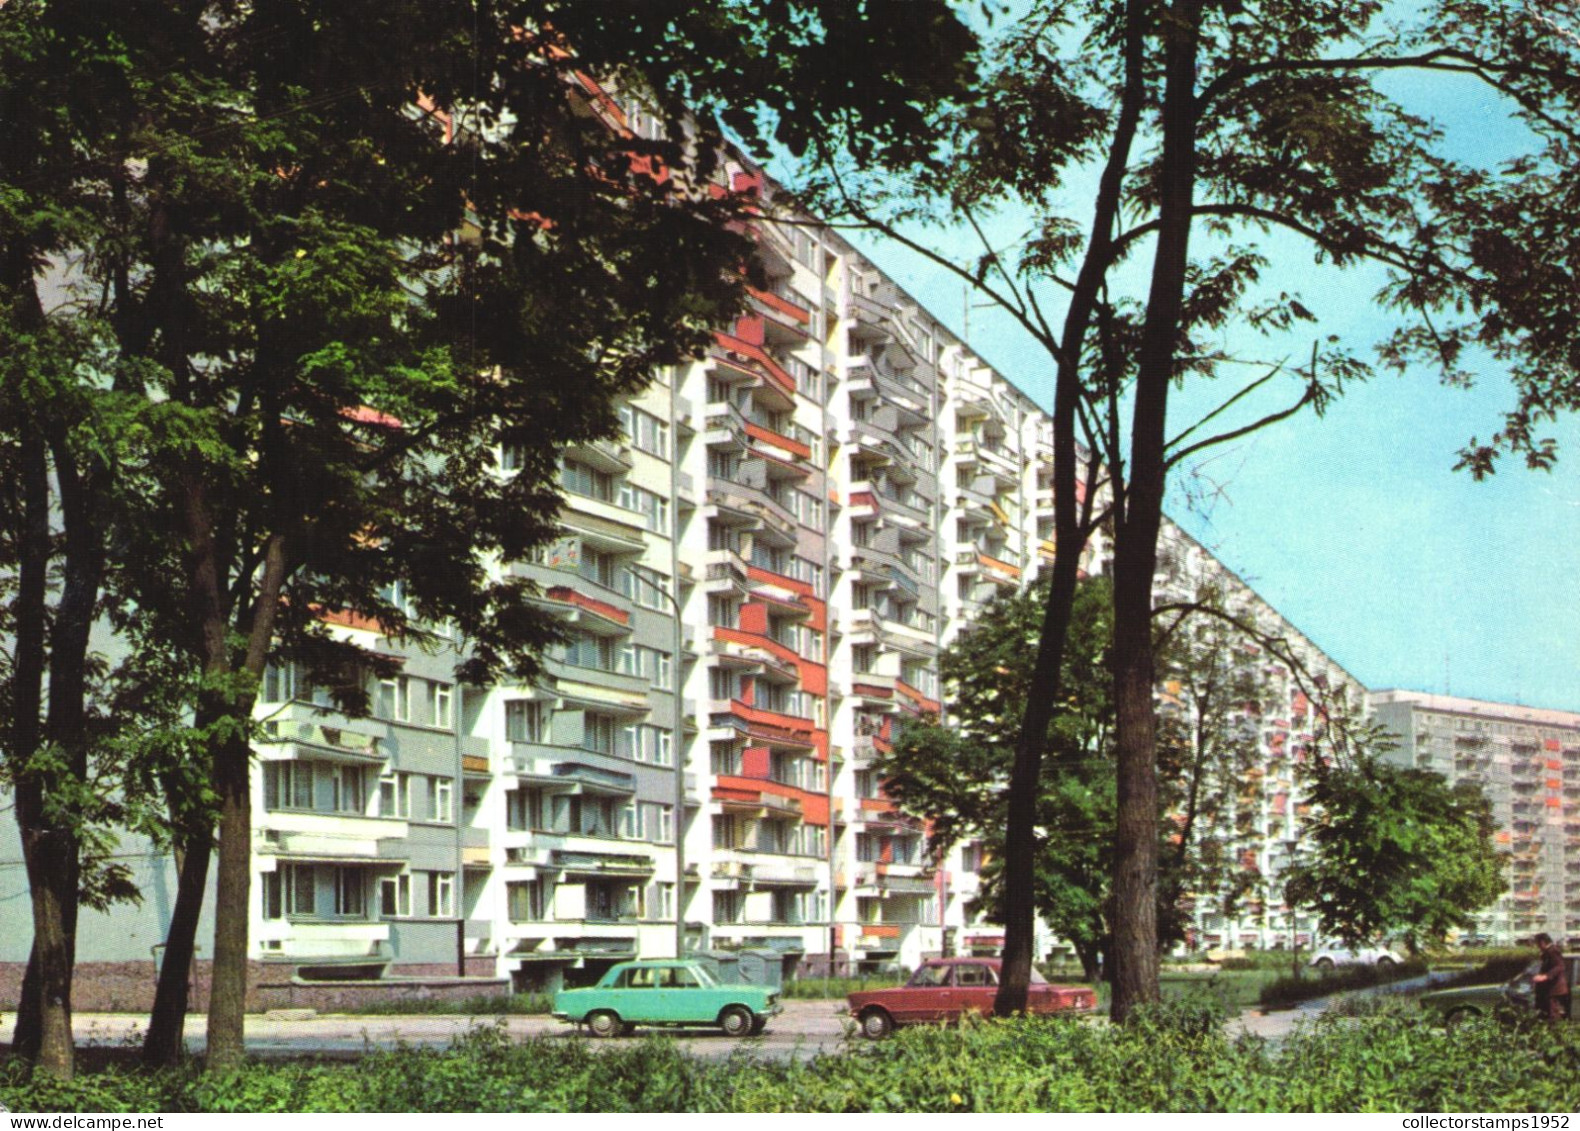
944 988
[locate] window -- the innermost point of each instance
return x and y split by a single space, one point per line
647 432
643 742
610 903
579 479
728 831
443 699
441 799
724 611
346 789
722 684
599 566
351 893
288 785
527 902
524 810
724 758
723 465
814 840
281 682
395 795
862 657
653 508
647 587
395 896
586 651
652 664
661 823
788 906
631 821
394 699
727 906
288 892
599 732
527 720
663 901
441 895
806 507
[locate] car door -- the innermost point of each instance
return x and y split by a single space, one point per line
976 985
684 999
926 996
635 998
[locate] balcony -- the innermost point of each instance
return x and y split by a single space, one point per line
327 942
590 606
725 571
311 835
724 426
324 734
597 688
601 865
573 770
752 507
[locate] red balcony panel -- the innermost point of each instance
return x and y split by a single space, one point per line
794 447
782 305
592 604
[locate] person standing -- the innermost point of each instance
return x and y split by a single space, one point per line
1551 981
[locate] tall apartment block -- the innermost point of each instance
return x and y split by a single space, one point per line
755 583
1527 760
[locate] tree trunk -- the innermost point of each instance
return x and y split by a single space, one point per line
227 1003
1019 905
1135 951
26 1037
1136 829
163 1044
1020 850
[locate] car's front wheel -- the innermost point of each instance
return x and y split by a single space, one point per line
605 1023
1325 965
736 1021
1385 963
876 1024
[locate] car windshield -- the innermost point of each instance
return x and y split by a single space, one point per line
704 975
930 976
1036 977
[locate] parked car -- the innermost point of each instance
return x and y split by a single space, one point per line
667 993
1466 1002
1379 956
943 989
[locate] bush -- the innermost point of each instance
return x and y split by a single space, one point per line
1170 1058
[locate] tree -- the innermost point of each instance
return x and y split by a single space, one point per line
1220 136
954 775
343 254
1396 851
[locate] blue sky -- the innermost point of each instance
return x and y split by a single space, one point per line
1354 526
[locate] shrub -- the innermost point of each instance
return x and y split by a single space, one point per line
1173 1058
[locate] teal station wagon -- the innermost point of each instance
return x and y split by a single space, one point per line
667 993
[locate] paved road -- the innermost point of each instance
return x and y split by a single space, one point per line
805 1028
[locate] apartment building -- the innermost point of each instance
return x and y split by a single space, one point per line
1527 761
755 581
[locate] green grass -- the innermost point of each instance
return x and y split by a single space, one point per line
497 1006
1175 1058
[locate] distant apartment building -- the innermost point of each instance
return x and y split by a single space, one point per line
1266 698
1527 761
